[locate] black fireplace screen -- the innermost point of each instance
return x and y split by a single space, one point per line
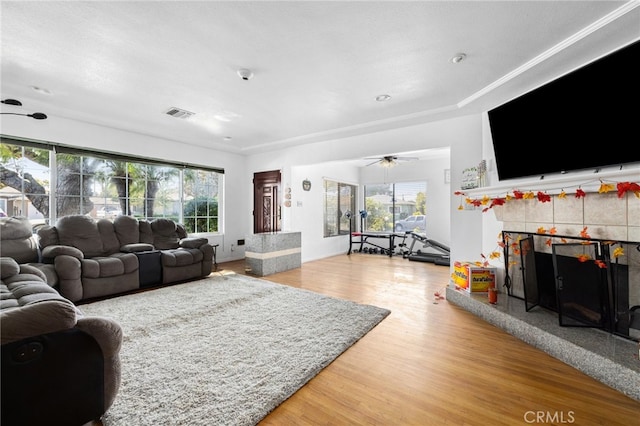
588 282
581 286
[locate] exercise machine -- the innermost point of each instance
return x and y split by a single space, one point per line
439 255
372 242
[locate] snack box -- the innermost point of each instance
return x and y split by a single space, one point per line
473 278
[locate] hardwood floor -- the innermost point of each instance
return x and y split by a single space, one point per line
432 363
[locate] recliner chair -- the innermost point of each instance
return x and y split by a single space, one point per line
18 241
58 366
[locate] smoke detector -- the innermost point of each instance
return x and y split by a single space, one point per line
179 113
245 74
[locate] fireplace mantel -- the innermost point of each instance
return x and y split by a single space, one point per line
553 184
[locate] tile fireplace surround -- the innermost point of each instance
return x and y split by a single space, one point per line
611 359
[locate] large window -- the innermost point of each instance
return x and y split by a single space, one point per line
388 204
104 186
339 206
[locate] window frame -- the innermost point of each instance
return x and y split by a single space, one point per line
337 219
214 176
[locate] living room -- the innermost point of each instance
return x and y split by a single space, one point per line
458 130
465 133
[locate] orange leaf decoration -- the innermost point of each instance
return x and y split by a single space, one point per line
508 197
553 231
529 196
580 193
600 264
495 255
541 230
501 244
543 198
548 242
460 207
605 187
485 200
562 195
458 193
584 234
583 258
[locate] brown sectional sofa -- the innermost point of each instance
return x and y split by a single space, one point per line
101 258
59 366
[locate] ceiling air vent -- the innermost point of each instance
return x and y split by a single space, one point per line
179 113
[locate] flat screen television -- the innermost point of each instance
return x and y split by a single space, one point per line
586 119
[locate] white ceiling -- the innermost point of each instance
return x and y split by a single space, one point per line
318 66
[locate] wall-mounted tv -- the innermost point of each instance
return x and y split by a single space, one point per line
586 119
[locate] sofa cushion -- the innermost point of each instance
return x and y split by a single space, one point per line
165 235
47 236
111 266
28 307
127 230
181 257
8 267
146 234
110 242
17 239
81 232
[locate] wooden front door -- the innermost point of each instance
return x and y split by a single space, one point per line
266 202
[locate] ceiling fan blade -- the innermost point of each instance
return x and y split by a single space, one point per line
371 164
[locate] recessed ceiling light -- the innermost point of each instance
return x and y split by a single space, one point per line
459 58
245 74
382 98
227 138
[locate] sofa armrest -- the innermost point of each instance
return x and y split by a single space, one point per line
50 252
37 318
136 247
25 268
193 242
69 271
105 331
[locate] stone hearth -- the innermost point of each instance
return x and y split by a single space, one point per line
607 358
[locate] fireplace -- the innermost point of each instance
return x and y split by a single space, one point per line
587 282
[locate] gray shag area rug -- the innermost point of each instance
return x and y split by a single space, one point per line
225 350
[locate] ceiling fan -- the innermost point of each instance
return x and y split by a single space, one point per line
389 160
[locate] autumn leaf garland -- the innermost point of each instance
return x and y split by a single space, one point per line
621 188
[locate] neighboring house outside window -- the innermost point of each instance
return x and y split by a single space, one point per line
389 207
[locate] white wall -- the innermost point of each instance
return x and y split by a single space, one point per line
463 135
